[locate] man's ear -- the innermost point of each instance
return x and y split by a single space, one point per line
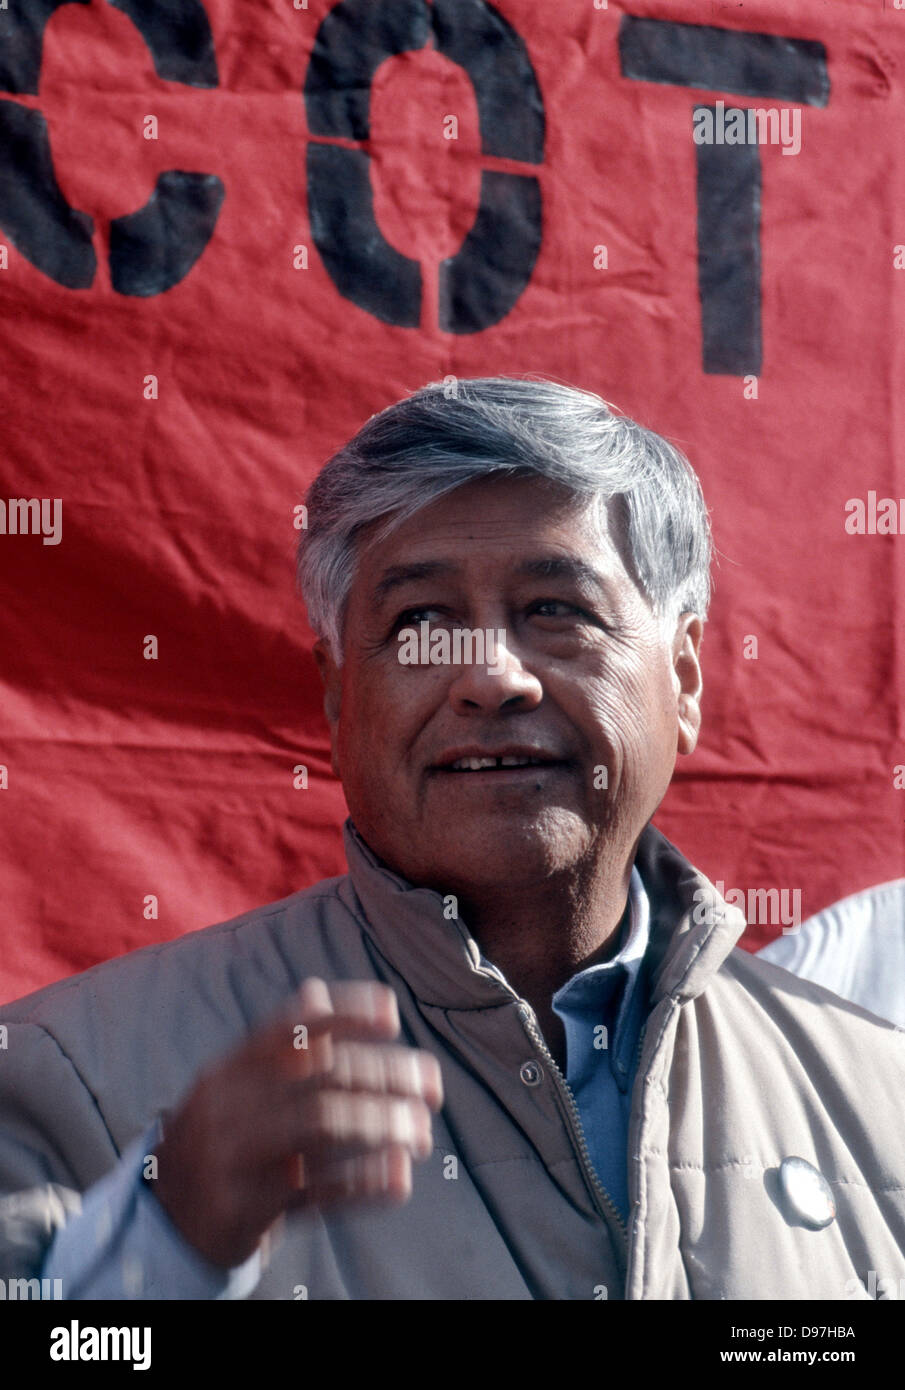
687 679
331 675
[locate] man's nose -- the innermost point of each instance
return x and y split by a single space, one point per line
498 681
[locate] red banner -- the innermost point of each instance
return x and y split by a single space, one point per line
232 232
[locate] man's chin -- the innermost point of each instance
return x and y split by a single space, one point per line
488 848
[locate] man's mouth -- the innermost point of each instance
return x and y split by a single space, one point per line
488 764
507 761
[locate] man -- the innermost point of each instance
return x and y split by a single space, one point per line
520 985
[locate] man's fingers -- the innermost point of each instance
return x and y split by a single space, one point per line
365 1000
327 1124
227 1167
379 1178
386 1070
302 1035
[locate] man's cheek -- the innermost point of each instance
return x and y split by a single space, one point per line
623 737
616 715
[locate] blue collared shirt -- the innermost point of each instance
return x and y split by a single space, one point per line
603 1009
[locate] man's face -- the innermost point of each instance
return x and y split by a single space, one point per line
584 684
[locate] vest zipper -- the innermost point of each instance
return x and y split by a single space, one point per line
604 1200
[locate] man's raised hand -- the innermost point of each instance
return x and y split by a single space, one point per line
317 1108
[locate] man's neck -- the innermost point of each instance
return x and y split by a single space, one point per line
543 935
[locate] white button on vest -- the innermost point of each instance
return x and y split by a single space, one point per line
807 1193
531 1073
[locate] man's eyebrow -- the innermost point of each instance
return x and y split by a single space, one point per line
565 567
397 575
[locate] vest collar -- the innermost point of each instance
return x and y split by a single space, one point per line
692 928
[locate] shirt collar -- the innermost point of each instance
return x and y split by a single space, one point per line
612 992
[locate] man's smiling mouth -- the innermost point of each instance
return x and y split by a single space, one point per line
486 764
502 760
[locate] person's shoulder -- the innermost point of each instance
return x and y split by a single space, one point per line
267 949
802 1007
133 1031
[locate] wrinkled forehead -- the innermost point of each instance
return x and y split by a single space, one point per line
507 525
517 504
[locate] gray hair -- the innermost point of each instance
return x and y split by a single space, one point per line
454 432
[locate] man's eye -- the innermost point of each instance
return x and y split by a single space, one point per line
413 616
567 615
564 608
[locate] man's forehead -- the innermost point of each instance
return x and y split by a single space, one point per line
510 529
